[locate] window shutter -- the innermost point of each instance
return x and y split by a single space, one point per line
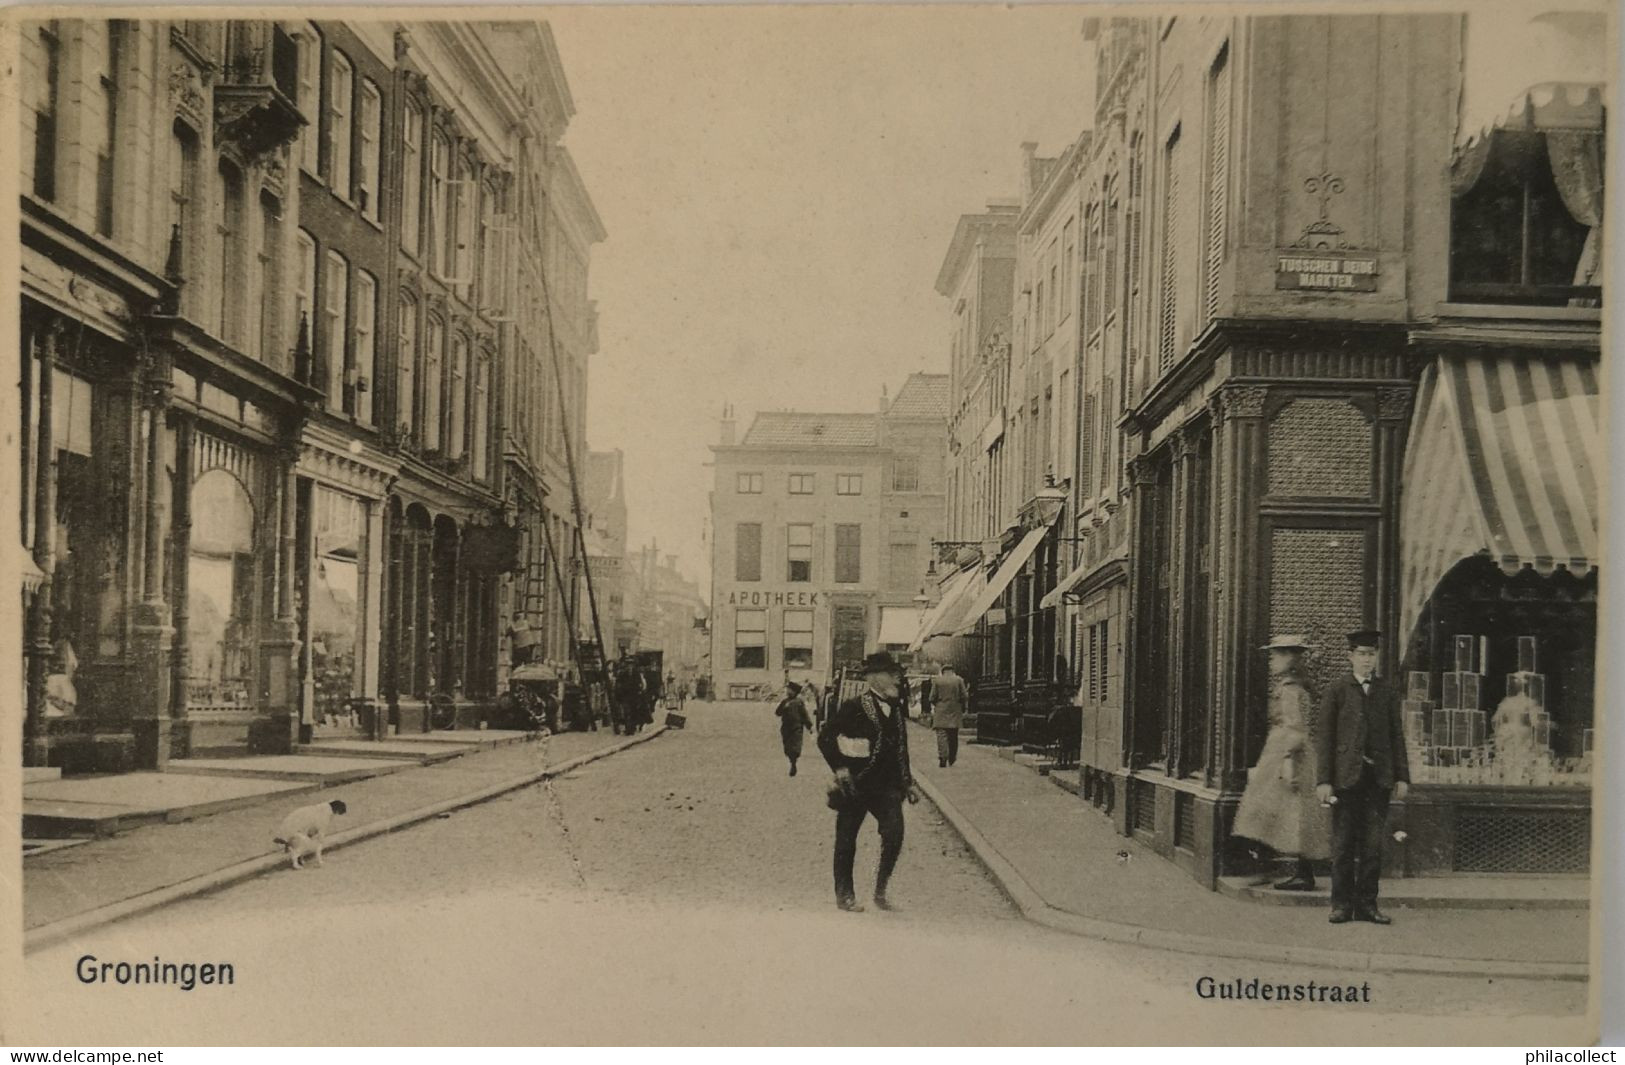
1217 179
1168 316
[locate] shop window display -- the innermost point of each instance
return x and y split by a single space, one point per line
220 597
334 607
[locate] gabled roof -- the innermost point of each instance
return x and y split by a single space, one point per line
793 429
923 395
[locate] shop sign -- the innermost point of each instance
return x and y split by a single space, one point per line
1326 272
755 598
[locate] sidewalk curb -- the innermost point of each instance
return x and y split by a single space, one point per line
1034 908
68 927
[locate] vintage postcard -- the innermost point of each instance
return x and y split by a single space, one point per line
935 524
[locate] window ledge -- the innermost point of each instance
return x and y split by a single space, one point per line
1510 312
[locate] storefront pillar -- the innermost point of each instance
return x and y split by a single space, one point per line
1139 658
283 699
1176 654
1238 412
369 657
1393 419
158 724
38 648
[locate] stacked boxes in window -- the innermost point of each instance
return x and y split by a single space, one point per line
1417 706
1532 685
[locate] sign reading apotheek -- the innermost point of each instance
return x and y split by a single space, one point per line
756 598
1326 272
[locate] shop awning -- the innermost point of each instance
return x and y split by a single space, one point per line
899 624
1504 461
1078 576
954 591
979 604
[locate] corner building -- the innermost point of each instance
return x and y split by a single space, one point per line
823 526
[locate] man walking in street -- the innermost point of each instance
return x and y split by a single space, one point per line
1361 763
866 743
948 699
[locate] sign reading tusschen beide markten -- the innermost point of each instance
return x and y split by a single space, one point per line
1343 273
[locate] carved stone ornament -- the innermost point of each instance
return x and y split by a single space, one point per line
1241 401
1142 472
186 92
1393 404
1323 233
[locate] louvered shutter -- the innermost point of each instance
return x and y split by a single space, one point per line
1217 183
1168 314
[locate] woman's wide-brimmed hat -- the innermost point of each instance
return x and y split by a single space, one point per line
1291 641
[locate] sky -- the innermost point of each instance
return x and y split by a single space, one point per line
779 187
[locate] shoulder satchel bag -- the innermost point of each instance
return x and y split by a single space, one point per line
836 797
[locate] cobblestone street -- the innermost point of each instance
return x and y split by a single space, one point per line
680 891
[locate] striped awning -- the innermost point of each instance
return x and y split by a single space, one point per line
955 593
1504 460
1000 580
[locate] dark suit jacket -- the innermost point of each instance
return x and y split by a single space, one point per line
887 766
1347 715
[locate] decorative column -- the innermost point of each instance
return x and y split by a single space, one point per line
1174 657
180 552
1393 423
1138 655
1240 460
37 643
282 697
152 635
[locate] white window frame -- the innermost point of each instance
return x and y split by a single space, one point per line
341 125
788 634
371 113
406 359
748 484
335 314
849 484
310 99
412 179
802 484
362 374
304 296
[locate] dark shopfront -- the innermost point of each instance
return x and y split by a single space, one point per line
1265 500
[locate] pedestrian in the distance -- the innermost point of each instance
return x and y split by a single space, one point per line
948 698
866 743
1279 807
1360 765
794 722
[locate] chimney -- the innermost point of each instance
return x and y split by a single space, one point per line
885 404
729 426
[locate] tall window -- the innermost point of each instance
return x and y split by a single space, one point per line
798 639
412 179
406 368
750 639
434 356
482 403
229 227
1218 169
183 198
799 552
439 203
304 292
366 342
462 251
1109 252
116 29
849 484
905 473
1133 229
801 484
310 98
335 310
45 113
265 282
1069 254
1168 301
372 133
341 102
748 484
848 554
1091 269
748 551
457 422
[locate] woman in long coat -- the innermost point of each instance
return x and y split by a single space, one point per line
1279 808
794 723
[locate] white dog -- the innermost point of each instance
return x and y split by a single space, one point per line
304 831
